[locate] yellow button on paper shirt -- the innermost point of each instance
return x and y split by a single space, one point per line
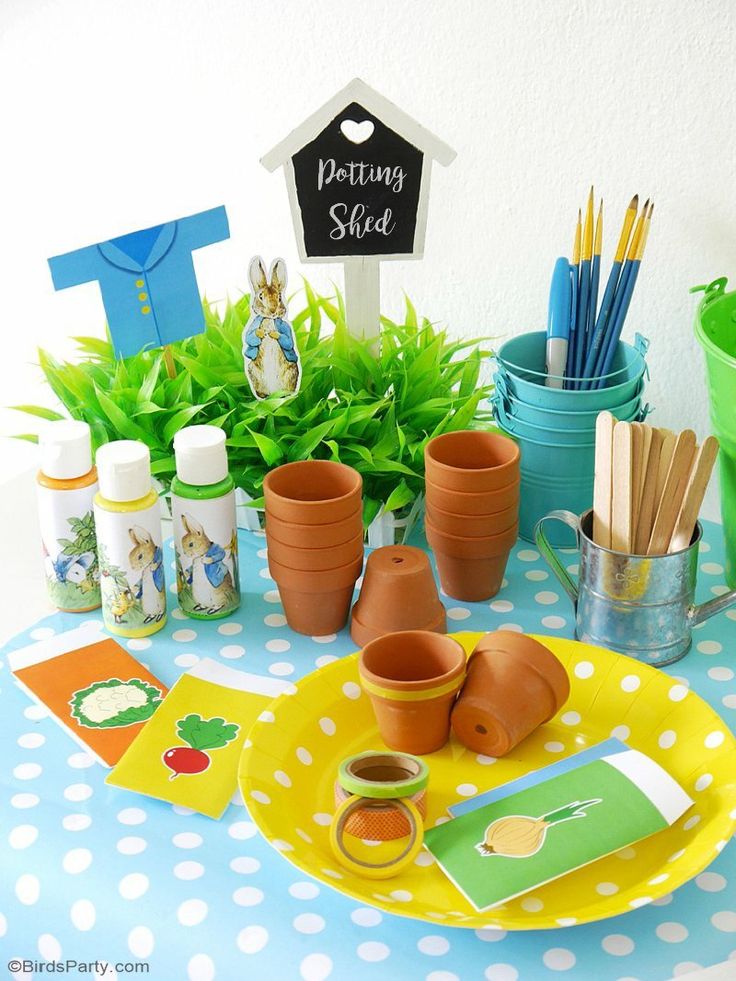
145 309
139 283
143 296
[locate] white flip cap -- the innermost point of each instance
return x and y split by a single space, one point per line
201 455
124 470
66 449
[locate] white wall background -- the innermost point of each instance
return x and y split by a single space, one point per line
119 115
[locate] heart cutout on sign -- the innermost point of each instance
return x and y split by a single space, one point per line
357 132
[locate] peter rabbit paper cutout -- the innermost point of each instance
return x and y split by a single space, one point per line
147 279
206 561
272 363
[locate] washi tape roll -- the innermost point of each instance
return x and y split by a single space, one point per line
379 820
383 776
376 870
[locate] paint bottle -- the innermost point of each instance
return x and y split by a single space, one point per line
205 528
67 484
128 520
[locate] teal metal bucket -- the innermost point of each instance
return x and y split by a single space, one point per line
547 433
521 367
552 419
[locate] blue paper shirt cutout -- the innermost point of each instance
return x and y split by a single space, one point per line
149 288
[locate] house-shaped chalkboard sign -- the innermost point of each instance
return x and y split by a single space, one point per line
358 174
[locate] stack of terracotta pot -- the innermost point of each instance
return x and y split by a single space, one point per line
472 520
314 530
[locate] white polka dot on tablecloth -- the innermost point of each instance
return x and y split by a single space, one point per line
281 669
201 967
724 920
42 633
324 659
709 647
248 896
433 946
458 613
134 885
546 597
442 976
83 914
672 933
366 916
186 660
27 889
372 951
308 923
184 636
131 845
536 575
27 771
245 864
189 839
176 613
141 941
275 620
22 836
31 740
24 801
232 652
527 555
554 622
720 674
513 627
230 628
559 959
315 967
711 881
501 972
188 870
265 574
617 944
729 701
501 606
77 860
490 934
192 912
685 967
132 815
711 568
304 890
139 643
278 645
36 712
49 947
584 669
81 761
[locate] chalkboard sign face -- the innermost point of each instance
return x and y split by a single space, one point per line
357 187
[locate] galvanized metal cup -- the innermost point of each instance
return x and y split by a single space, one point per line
640 605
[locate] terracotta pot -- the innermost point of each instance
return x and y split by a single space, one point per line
398 593
477 504
412 678
312 492
471 569
315 559
472 461
473 525
514 685
316 603
314 536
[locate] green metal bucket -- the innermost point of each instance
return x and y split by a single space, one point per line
715 329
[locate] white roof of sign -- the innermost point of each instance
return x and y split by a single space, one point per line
364 95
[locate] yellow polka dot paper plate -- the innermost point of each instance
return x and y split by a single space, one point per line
288 769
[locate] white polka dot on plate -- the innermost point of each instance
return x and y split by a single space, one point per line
260 796
667 739
141 941
531 904
323 819
714 739
546 597
304 756
677 693
184 636
192 912
372 951
351 690
583 669
327 726
232 651
630 682
617 944
466 789
433 946
691 822
703 782
559 959
570 718
315 967
606 888
672 933
231 628
709 647
553 746
621 732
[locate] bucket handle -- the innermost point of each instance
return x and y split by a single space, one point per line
712 290
549 555
500 408
698 614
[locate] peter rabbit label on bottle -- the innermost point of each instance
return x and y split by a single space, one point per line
132 577
206 546
69 547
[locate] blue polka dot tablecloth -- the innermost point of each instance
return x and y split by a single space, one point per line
93 873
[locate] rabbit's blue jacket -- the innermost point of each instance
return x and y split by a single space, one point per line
149 289
286 338
157 569
216 570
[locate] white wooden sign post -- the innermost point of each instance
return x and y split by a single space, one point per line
358 171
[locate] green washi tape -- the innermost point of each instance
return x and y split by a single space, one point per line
383 776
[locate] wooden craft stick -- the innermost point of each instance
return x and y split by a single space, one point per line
702 468
649 484
622 499
602 488
673 492
646 432
665 458
637 447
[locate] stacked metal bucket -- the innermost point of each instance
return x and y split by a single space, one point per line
555 427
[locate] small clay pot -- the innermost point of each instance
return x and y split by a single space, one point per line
472 461
486 502
473 525
398 593
412 678
315 559
312 492
314 536
514 685
316 603
471 569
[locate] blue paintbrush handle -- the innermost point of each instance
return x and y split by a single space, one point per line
592 304
570 366
618 317
600 327
581 320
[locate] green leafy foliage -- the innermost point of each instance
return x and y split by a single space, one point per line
205 734
372 408
115 697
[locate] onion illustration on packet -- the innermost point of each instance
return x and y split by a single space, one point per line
201 737
520 836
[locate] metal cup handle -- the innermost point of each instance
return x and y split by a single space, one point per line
698 614
548 553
